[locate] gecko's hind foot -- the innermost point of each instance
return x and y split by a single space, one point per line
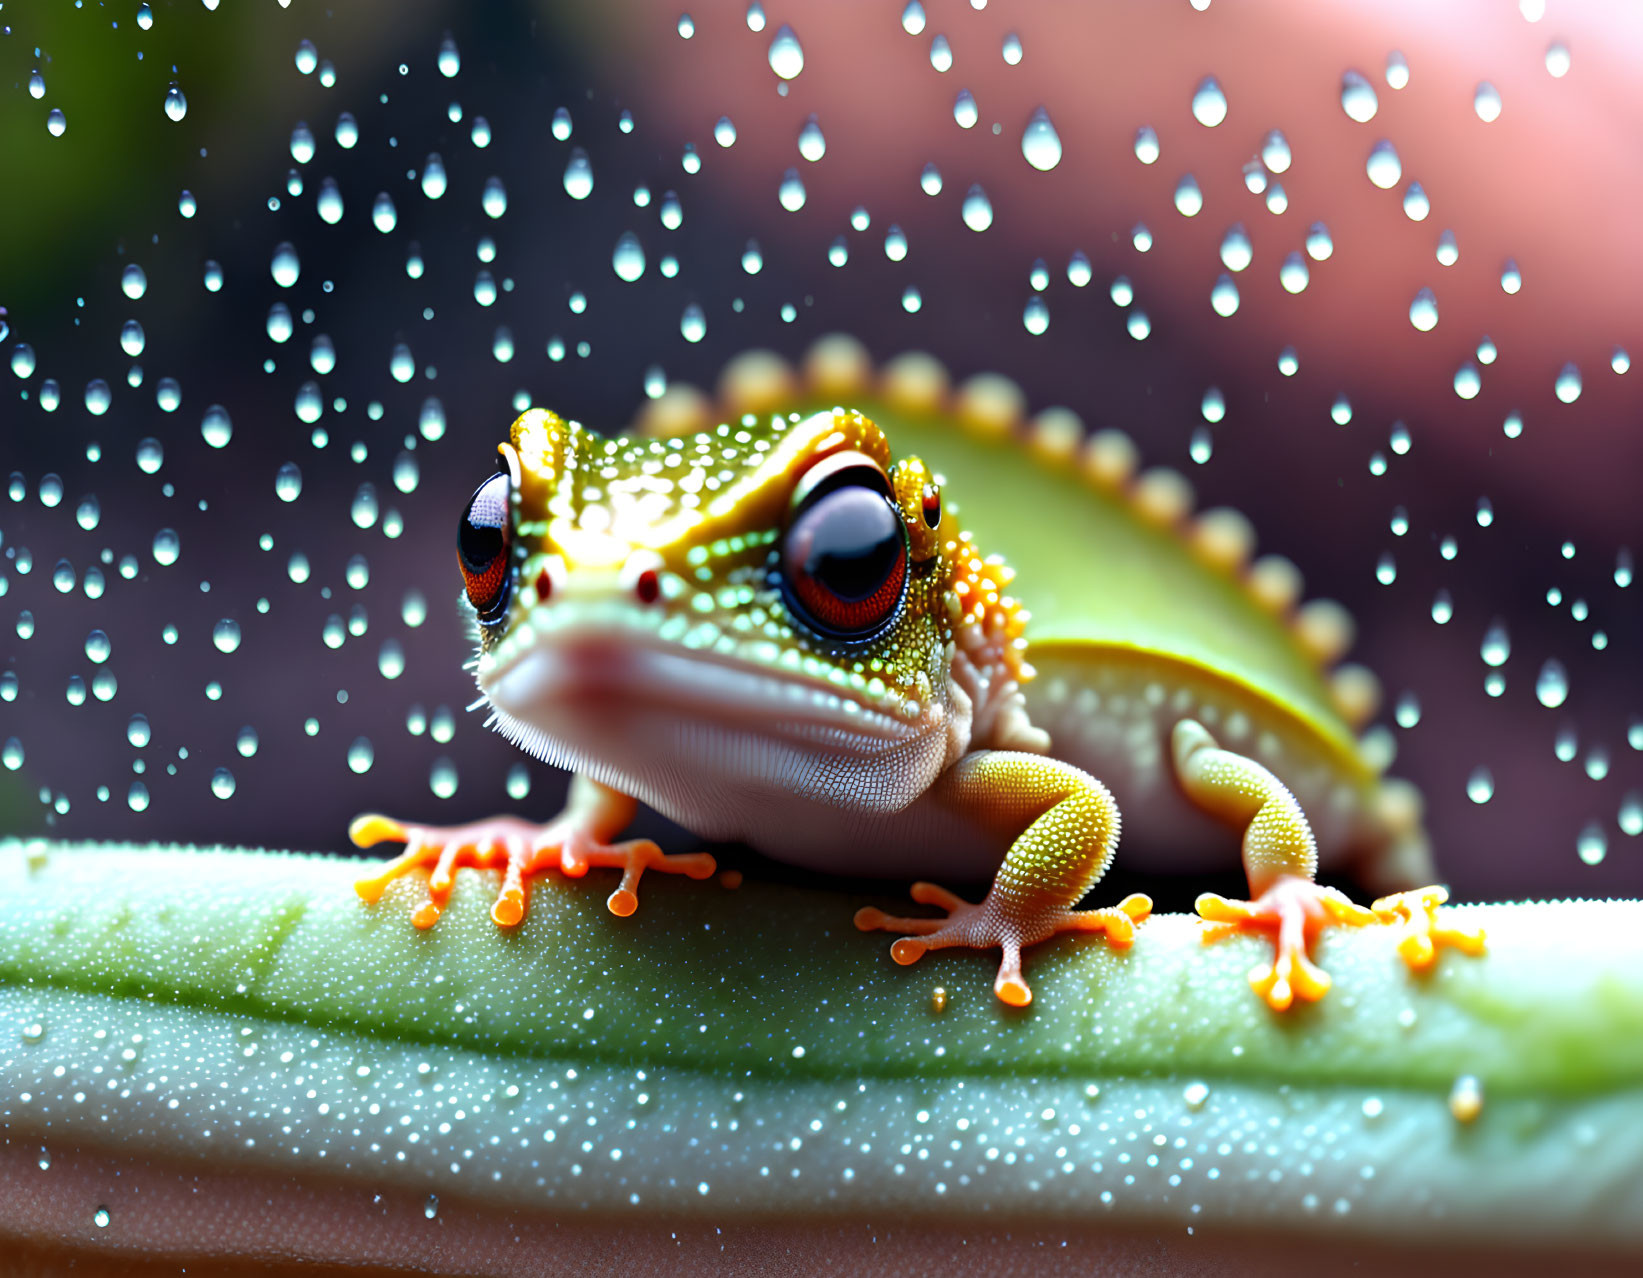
519 849
1293 910
989 926
1423 934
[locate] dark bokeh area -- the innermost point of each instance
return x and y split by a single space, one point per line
105 194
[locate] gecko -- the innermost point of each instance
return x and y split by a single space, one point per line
800 622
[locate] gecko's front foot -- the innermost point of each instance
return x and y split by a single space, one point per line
1294 910
1423 934
520 849
987 926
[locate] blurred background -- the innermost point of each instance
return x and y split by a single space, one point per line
276 278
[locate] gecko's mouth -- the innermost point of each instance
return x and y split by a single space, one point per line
578 672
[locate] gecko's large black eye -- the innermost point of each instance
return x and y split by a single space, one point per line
844 557
482 548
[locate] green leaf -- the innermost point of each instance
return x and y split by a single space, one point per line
749 1052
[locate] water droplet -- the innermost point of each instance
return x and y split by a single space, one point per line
755 17
786 55
1480 786
628 260
347 131
1358 98
1040 143
1567 385
145 16
494 198
791 192
1497 644
912 18
1415 204
360 757
1486 102
1224 296
1487 353
226 635
1397 70
56 122
176 103
431 420
1319 246
977 211
37 85
363 509
1289 362
578 175
1557 59
1623 568
1138 325
1384 167
1293 274
693 323
930 180
133 281
1511 279
1552 684
941 54
22 360
401 363
1079 272
911 300
1592 845
1620 361
442 779
222 783
752 258
1631 814
1146 145
480 134
671 212
215 427
1236 251
1275 153
1189 200
98 397
131 338
1209 103
285 267
1423 311
724 132
1196 1095
1036 317
1448 249
1468 380
812 145
100 1217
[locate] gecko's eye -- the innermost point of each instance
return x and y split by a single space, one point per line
844 558
482 548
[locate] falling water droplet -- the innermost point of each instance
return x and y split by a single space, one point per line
1397 70
1557 59
1358 98
812 145
145 16
56 122
494 198
930 180
1592 845
752 258
215 426
347 131
1319 246
977 210
1213 405
965 111
288 482
1468 380
176 103
1040 143
1209 104
786 55
1275 153
1480 785
578 175
1423 311
1511 279
693 323
1012 47
1567 385
1486 102
1552 684
1448 249
629 258
791 192
1236 251
941 54
1146 145
1415 204
1189 200
329 202
895 243
1079 272
1224 296
1036 317
1293 274
285 268
133 281
1384 167
724 132
912 18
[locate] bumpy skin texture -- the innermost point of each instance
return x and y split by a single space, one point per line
656 630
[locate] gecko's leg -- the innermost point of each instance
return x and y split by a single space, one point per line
1064 826
1417 911
575 840
1280 860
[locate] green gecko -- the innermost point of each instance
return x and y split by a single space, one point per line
794 627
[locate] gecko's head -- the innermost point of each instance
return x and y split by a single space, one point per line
781 580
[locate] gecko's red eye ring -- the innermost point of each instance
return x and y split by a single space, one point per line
844 557
482 539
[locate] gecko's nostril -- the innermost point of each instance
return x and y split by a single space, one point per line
648 586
